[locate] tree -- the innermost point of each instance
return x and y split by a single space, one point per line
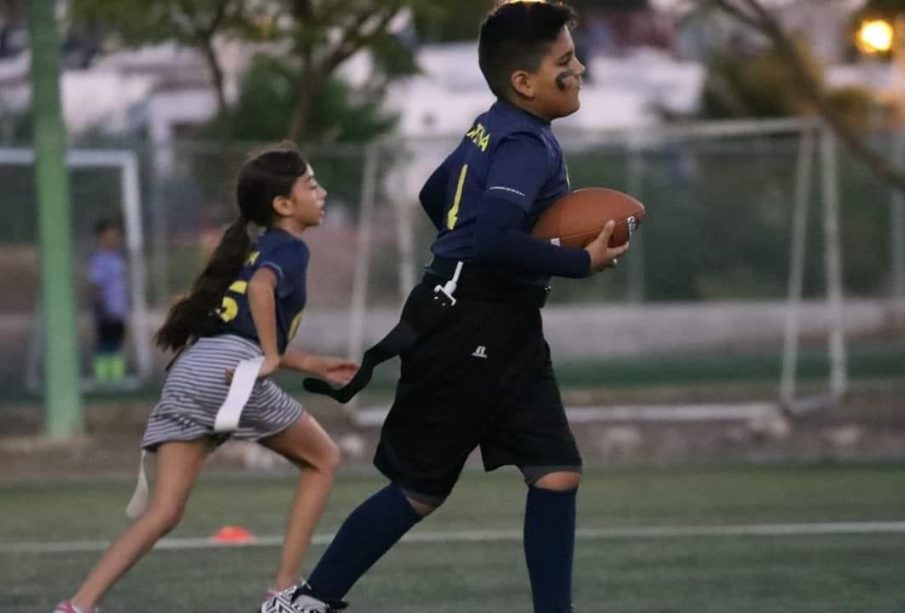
193 23
315 37
322 35
754 15
761 83
756 83
266 102
883 8
457 20
11 9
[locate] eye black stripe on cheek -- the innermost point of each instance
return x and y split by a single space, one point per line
561 78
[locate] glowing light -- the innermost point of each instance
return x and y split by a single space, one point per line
875 36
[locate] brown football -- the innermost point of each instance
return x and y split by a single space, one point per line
578 217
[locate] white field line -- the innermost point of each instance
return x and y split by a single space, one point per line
492 536
671 413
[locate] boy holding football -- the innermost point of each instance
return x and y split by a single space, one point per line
483 377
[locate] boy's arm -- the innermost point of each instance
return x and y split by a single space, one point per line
433 194
262 303
337 370
518 171
501 241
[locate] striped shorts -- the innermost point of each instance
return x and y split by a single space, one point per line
195 388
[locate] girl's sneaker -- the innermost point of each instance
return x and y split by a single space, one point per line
281 602
273 592
67 607
297 599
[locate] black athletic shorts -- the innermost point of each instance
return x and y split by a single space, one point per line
482 378
110 334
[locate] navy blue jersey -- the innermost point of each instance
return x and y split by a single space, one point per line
287 256
507 154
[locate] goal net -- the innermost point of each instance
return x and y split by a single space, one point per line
741 273
104 185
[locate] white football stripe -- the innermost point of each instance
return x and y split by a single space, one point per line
491 536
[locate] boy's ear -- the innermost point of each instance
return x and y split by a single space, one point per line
523 83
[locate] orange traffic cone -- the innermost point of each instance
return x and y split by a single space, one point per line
233 535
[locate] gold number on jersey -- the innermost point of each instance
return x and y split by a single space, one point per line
294 326
229 308
453 216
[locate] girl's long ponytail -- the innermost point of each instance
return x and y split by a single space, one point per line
267 174
195 315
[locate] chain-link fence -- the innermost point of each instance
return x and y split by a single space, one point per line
709 270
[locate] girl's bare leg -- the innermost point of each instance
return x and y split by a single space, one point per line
306 445
177 467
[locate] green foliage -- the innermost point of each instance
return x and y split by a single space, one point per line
719 222
455 20
854 106
315 38
609 5
393 57
887 9
261 114
17 127
12 9
761 84
459 20
158 20
266 101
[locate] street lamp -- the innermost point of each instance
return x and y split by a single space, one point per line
876 37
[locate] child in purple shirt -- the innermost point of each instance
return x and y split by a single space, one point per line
110 302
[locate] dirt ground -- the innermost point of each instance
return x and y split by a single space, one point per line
868 425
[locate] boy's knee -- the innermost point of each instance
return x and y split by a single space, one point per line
423 504
558 479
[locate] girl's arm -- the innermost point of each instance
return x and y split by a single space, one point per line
336 370
262 303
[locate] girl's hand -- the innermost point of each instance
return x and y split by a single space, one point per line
334 370
269 366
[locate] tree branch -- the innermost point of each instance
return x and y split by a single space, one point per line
359 39
362 24
770 26
728 7
203 31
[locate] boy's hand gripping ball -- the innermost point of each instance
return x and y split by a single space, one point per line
578 217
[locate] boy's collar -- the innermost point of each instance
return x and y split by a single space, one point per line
505 104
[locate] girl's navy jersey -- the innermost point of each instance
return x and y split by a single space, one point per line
510 154
287 256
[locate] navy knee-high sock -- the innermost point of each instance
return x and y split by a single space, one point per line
549 548
364 537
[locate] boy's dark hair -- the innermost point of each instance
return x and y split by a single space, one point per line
102 225
265 175
516 36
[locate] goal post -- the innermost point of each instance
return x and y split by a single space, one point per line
813 175
129 184
61 392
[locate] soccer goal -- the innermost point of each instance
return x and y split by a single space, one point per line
126 164
723 175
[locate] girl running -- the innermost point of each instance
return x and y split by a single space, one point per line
246 304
